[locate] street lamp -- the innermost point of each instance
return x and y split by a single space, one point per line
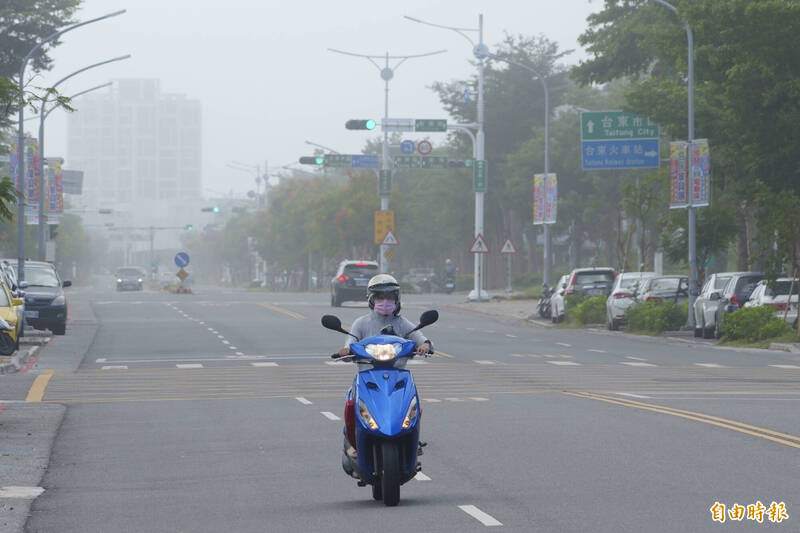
21 137
323 147
236 165
387 73
42 116
480 51
690 134
547 252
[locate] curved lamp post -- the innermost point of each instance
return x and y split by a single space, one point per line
21 137
42 116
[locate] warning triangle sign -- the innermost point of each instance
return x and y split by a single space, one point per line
479 245
508 247
390 239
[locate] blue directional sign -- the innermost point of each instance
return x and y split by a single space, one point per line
364 161
407 147
626 153
181 259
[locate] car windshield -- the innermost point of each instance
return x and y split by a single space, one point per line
627 283
41 277
129 273
782 288
745 285
361 268
584 278
665 284
4 298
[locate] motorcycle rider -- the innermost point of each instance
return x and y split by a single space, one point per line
449 269
383 298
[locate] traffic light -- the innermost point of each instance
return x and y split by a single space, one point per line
460 163
214 209
312 160
189 227
368 124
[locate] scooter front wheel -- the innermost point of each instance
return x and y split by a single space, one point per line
390 477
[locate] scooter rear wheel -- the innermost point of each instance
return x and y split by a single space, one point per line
377 492
390 477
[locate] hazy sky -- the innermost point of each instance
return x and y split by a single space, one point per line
265 78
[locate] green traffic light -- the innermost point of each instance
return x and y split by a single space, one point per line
468 163
319 160
370 124
215 209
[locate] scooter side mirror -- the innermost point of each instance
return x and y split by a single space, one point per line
427 318
332 322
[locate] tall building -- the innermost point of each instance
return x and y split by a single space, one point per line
140 151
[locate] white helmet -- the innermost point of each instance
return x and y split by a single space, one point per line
383 284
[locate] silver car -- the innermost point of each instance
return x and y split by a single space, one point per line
707 302
622 296
778 298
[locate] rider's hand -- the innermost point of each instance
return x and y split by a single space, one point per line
344 351
423 349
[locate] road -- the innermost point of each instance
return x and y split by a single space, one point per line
219 411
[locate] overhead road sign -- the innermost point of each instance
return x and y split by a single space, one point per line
408 147
351 161
618 140
413 124
390 239
479 246
429 125
397 124
181 259
424 147
424 162
508 247
479 176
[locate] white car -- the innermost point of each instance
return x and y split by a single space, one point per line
622 296
785 307
557 308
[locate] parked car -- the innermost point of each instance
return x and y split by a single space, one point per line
622 296
350 281
705 306
45 300
130 278
735 294
777 296
593 281
674 288
8 313
8 274
558 309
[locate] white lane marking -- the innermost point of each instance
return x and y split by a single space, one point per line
232 347
709 365
191 365
210 329
636 364
564 344
329 415
485 362
421 477
303 400
511 336
431 400
635 358
202 323
225 342
239 353
220 336
336 363
632 395
480 516
470 329
264 364
597 351
416 362
785 366
27 493
564 363
115 367
103 360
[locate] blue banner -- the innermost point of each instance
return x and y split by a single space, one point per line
616 154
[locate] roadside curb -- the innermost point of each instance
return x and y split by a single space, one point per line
786 347
19 360
526 317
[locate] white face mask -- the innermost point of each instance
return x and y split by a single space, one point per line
385 307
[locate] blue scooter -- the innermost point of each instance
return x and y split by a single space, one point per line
382 450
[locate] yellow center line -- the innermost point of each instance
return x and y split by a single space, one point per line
36 392
732 425
292 314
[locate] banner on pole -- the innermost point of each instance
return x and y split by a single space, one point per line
545 198
30 186
55 188
701 173
678 161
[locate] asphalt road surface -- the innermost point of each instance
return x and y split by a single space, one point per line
220 412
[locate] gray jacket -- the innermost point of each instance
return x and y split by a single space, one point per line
371 324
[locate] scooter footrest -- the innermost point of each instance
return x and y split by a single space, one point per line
362 483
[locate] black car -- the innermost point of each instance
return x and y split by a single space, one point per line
130 278
45 301
350 281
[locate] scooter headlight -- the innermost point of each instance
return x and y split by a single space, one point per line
411 415
139 280
119 280
383 352
365 415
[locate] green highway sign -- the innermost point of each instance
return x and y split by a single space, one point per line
337 160
435 161
417 161
612 125
430 125
479 176
384 182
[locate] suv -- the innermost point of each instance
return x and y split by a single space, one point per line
705 306
350 281
591 281
622 296
45 301
734 296
130 277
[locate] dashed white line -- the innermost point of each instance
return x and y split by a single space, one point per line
264 364
564 344
635 358
511 336
232 347
115 367
631 395
416 362
421 477
336 363
709 365
636 363
785 366
103 360
480 516
220 336
303 400
26 493
191 365
564 363
329 415
210 329
485 362
239 353
225 342
597 351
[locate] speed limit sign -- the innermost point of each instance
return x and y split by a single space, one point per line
424 147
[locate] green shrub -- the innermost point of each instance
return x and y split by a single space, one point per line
572 301
753 324
465 282
591 310
656 317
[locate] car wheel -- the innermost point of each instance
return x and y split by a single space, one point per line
61 329
698 332
614 326
717 330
